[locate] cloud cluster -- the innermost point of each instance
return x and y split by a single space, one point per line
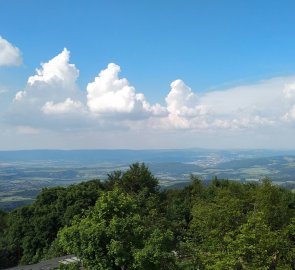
51 99
9 54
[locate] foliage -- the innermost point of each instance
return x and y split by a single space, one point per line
231 228
114 236
134 180
31 230
127 222
70 266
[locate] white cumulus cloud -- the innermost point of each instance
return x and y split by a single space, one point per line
68 106
51 91
289 90
9 54
51 100
109 95
183 105
55 81
56 70
261 104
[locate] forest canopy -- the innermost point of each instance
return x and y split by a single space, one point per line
128 222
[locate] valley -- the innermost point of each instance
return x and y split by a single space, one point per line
23 174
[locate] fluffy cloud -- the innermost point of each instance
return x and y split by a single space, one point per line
51 92
289 90
66 107
262 104
9 54
108 95
55 81
242 123
183 105
51 104
52 99
57 70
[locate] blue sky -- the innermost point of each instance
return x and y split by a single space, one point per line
224 52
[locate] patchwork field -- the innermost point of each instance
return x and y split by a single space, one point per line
23 176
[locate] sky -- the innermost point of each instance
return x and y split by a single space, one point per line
147 74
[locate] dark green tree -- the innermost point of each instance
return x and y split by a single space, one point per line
114 236
134 180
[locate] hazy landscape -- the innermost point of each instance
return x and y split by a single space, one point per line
24 173
147 135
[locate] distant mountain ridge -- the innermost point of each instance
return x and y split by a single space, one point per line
125 155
